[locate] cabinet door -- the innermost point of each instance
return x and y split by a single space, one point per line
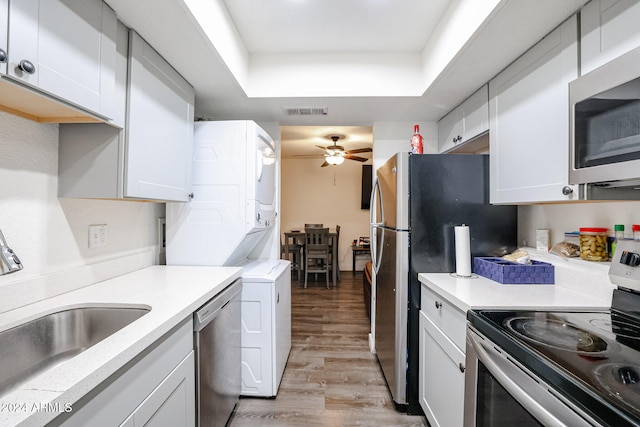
71 46
159 127
172 403
161 378
449 131
441 387
468 120
257 339
4 45
474 114
529 122
608 28
282 327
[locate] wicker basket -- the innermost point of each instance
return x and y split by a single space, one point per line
508 272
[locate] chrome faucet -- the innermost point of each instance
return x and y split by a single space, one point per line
9 261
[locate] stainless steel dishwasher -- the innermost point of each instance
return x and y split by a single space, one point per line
218 364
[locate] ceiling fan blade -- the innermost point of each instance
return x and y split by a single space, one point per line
356 158
322 148
310 156
324 164
360 150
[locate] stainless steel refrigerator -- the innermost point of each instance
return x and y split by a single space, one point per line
416 202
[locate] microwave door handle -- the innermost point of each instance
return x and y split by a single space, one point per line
528 402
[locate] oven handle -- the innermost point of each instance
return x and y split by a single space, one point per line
533 407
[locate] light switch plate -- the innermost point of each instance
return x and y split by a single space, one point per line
97 236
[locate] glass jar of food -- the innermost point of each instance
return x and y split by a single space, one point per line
593 244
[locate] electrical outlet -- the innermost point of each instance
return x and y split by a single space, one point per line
97 236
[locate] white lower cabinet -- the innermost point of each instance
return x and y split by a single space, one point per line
170 404
158 389
442 361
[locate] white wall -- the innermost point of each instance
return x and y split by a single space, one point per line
329 195
559 218
390 138
50 235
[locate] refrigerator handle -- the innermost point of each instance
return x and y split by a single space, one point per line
374 226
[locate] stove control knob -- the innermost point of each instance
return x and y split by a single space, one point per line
631 259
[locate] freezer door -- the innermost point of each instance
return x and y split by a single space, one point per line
393 178
391 312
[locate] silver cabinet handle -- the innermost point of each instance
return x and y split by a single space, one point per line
27 66
438 304
566 190
3 56
461 367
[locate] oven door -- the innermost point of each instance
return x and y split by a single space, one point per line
501 392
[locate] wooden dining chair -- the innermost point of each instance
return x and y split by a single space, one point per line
316 253
313 226
291 250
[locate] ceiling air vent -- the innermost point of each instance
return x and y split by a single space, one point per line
306 111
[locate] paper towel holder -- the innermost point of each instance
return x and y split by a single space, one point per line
463 253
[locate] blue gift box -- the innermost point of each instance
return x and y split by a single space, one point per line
508 272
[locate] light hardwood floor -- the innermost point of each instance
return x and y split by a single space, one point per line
331 378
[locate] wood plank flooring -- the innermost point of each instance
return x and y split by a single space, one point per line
331 377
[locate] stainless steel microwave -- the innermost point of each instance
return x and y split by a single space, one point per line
605 125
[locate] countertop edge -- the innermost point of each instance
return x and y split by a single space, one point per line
480 293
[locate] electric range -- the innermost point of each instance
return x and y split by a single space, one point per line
587 362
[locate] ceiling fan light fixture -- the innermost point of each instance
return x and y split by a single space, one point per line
335 160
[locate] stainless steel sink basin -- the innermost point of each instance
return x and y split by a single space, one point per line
37 345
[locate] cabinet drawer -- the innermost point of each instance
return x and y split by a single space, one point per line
441 386
445 316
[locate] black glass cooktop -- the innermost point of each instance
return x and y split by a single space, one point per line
593 358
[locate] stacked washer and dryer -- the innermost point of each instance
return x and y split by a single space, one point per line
232 221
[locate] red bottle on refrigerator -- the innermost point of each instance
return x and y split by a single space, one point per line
416 140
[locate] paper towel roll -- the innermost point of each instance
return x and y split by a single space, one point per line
463 251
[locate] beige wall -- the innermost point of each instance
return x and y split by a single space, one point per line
329 195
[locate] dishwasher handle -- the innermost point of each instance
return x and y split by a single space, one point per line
211 309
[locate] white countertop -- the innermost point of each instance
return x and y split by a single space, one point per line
173 294
483 293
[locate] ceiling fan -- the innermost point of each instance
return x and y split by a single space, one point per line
336 154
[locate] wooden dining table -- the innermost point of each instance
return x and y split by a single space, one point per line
298 237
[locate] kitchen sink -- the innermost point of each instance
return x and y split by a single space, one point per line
37 345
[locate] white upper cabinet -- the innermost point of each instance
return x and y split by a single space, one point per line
66 49
159 127
449 130
608 29
4 45
529 122
464 123
151 158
